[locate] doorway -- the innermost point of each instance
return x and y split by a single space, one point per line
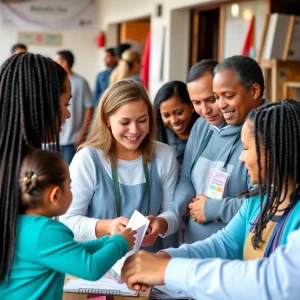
205 34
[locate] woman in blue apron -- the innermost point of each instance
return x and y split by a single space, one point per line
120 169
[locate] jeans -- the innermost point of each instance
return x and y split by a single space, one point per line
68 151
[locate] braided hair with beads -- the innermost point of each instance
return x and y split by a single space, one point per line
276 128
30 88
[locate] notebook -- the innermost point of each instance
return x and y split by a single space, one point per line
139 223
103 286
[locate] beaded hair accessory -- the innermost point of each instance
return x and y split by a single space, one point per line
26 179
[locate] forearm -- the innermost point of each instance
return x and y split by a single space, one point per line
224 209
86 120
103 227
94 245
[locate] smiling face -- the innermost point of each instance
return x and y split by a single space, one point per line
249 155
203 99
129 125
177 116
64 102
233 98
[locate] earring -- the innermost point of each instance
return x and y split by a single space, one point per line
108 126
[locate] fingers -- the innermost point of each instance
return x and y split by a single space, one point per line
124 221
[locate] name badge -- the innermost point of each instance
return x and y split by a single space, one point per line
217 181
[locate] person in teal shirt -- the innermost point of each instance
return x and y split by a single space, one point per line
271 145
45 248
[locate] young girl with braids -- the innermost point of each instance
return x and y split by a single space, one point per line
271 145
34 97
45 248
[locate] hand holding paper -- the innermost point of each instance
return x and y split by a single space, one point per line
140 224
128 234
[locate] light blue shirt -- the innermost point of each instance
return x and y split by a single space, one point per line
276 277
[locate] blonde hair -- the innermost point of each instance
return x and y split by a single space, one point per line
122 71
100 135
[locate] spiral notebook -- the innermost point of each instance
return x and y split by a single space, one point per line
103 286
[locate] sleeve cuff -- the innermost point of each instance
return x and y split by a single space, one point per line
173 220
175 252
178 282
212 209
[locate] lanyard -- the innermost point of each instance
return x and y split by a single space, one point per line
117 188
204 144
277 233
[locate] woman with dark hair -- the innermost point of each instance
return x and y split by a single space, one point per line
174 115
34 97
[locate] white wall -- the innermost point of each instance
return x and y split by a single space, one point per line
81 43
236 28
175 18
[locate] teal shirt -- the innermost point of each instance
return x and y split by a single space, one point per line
229 242
45 252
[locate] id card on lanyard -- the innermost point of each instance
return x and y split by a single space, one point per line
217 179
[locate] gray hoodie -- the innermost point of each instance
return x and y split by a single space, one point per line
194 182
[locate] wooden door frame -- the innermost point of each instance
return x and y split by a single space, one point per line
195 25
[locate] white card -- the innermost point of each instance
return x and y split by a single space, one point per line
140 224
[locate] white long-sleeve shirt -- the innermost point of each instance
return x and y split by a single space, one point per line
84 179
273 278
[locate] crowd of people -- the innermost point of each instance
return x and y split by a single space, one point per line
211 163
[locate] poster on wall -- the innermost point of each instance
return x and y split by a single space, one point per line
48 14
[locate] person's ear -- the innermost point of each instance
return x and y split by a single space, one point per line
54 195
255 90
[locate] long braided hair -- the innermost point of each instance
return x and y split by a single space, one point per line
30 88
276 128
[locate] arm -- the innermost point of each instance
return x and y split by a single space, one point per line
57 250
97 90
94 245
184 191
169 171
88 113
167 220
227 243
224 209
83 175
274 278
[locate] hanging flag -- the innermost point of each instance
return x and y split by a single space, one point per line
145 62
249 43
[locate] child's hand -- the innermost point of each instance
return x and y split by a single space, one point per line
128 234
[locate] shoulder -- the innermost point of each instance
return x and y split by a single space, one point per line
84 159
78 79
164 155
252 205
201 127
162 150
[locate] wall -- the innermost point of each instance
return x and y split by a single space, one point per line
236 28
82 44
175 15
